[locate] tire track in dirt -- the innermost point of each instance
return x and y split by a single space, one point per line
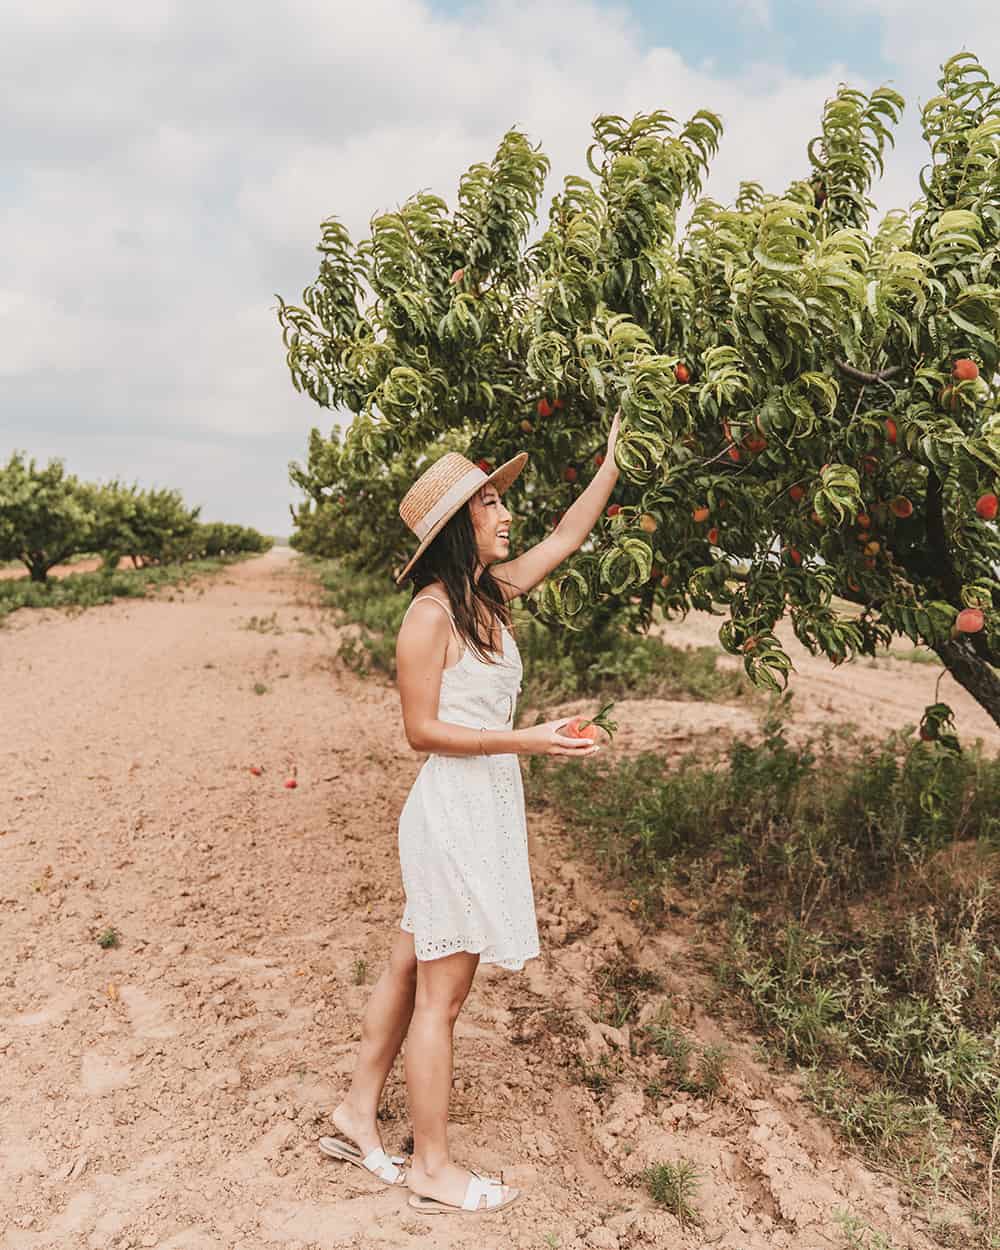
168 1093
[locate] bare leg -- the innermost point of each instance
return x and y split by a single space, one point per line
442 987
386 1020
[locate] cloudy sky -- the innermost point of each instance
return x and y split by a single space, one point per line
165 165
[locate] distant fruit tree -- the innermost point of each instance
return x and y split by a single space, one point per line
809 403
48 515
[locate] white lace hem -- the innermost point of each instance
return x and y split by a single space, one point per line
437 948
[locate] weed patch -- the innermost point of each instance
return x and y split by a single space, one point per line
854 890
621 986
675 1187
87 590
264 624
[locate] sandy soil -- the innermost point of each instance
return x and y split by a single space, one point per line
169 1093
873 695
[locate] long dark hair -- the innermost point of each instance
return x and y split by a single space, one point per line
451 559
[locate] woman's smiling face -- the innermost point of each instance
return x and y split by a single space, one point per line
491 523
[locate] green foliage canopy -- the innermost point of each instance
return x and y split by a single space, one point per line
783 364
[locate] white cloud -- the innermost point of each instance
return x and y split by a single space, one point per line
167 165
918 35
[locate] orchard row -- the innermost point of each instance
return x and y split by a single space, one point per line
47 516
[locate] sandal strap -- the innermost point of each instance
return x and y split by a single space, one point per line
480 1187
383 1166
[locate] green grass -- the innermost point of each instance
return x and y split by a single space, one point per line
109 938
77 591
861 1236
371 602
688 1065
560 666
911 655
675 1186
853 892
621 987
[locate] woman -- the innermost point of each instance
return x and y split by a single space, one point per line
462 838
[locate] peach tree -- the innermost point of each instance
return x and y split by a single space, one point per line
809 401
46 515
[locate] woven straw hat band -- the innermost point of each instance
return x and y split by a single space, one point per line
435 494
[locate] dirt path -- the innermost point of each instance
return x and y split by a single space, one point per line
168 1093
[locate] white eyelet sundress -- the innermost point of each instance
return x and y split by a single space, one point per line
463 839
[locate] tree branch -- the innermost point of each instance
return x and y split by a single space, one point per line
859 375
937 538
974 673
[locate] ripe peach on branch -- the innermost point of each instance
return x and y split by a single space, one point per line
986 506
901 507
965 370
970 621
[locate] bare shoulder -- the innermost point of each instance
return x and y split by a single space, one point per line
426 627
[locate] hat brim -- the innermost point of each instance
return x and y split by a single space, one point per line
501 478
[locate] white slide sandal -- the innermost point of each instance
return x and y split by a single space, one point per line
479 1188
387 1168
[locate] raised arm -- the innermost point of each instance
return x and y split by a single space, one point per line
518 576
421 652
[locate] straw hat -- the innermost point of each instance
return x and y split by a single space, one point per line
440 491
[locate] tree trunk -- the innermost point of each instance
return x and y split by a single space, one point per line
973 673
38 572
